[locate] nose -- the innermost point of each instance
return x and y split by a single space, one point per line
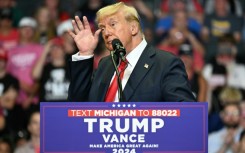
107 31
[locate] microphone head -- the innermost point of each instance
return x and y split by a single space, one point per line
115 43
118 47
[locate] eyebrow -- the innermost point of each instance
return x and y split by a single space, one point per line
101 25
111 19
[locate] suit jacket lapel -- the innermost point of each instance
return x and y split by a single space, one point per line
143 66
108 73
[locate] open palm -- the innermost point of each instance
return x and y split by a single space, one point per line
85 40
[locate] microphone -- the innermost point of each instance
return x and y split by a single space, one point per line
119 52
119 49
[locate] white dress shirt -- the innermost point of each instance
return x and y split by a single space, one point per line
132 59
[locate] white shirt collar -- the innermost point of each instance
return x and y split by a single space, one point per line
135 54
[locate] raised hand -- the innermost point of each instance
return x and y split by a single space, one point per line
85 40
47 47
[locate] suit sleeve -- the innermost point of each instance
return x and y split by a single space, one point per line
80 79
175 83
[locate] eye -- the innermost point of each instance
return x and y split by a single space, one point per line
113 24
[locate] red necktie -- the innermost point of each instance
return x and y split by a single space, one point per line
111 92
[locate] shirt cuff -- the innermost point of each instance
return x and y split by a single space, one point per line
77 57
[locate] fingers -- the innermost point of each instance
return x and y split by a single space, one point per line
86 23
79 23
71 34
74 24
80 26
96 34
48 46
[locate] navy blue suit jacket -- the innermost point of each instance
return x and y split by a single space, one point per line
164 79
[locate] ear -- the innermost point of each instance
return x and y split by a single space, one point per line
134 27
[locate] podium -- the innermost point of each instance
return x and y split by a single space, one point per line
125 127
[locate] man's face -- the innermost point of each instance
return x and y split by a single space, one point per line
231 116
26 32
220 5
116 26
180 20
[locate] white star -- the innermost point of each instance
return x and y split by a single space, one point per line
134 105
129 105
124 105
113 105
118 105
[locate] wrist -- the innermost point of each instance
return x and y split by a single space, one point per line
88 53
77 57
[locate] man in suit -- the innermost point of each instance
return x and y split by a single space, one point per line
150 75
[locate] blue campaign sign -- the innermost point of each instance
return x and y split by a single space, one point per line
148 127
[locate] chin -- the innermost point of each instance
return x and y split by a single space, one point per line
109 48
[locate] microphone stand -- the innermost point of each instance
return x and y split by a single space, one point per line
119 82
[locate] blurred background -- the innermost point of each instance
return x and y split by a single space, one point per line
208 35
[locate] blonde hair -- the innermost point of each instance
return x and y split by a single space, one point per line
230 94
130 12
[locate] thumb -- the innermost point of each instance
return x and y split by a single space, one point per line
96 34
